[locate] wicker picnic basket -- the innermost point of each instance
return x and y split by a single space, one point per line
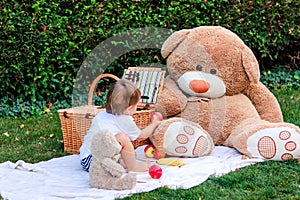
76 121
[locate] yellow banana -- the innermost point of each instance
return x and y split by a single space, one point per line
170 162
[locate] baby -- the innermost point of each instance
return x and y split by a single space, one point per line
121 104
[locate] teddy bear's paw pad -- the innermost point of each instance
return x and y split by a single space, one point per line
201 146
275 143
183 139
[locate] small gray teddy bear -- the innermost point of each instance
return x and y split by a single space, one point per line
105 171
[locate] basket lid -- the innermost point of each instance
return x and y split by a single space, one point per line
86 109
148 80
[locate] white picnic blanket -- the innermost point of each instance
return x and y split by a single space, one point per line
63 178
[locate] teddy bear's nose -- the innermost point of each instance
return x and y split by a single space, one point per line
199 86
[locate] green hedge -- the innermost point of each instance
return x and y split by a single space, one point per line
43 43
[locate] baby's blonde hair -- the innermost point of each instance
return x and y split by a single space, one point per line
121 95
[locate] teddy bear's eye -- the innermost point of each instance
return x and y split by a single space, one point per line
199 68
213 71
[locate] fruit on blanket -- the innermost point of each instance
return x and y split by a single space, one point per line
156 115
170 161
149 151
158 154
155 171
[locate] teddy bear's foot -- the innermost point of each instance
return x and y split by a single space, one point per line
184 138
266 140
279 143
126 182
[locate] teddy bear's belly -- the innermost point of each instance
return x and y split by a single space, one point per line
220 116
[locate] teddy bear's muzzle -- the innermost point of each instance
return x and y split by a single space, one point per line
201 84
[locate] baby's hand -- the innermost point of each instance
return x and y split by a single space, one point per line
156 116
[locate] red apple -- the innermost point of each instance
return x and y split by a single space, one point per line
155 171
156 115
158 154
149 151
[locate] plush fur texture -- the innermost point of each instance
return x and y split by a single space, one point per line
105 171
247 108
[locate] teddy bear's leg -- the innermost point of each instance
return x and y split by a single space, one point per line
126 182
262 139
101 179
178 137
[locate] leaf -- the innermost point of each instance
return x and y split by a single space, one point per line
42 138
6 134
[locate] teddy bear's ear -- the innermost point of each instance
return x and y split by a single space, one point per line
173 41
250 65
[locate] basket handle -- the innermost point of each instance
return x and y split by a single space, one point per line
94 83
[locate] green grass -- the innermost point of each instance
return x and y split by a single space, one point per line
40 138
32 140
289 101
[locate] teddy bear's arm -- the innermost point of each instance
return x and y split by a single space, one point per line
171 101
112 167
265 102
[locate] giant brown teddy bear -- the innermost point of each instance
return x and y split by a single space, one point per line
214 82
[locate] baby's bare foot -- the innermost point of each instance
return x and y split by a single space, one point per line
142 166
